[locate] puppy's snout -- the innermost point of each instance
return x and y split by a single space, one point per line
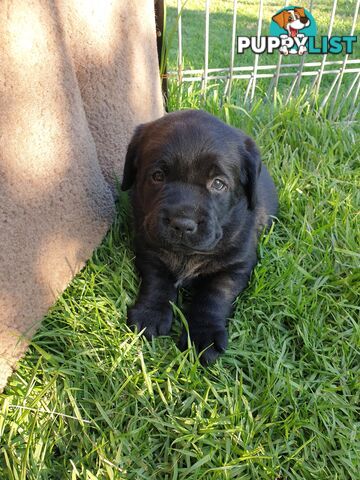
304 20
180 222
183 225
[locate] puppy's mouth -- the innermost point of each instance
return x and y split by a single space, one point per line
293 32
197 249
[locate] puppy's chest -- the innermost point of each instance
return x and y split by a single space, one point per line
186 268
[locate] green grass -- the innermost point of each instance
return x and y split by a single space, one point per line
92 400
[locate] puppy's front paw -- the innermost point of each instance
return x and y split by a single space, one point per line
155 322
211 340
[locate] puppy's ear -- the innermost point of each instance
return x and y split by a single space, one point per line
250 170
281 18
131 157
300 11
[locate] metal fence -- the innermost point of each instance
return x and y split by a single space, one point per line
338 99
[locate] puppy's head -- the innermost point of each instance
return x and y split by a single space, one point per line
190 171
292 20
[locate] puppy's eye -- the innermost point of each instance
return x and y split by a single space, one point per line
218 185
158 176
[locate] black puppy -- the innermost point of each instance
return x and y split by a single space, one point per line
200 198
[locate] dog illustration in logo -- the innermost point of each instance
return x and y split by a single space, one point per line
292 21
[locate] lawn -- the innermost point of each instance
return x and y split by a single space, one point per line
92 400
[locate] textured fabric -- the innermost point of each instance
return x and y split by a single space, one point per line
75 79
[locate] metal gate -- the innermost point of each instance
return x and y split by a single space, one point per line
284 79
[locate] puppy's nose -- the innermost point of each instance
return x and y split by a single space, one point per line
183 225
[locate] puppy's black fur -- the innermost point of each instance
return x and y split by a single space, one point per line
200 197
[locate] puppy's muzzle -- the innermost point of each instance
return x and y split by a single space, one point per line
304 20
181 225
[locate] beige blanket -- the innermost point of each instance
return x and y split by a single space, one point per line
76 76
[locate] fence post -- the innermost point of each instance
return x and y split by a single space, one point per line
227 90
321 71
179 12
332 106
252 80
296 82
206 56
275 80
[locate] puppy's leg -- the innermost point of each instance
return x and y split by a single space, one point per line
152 310
212 304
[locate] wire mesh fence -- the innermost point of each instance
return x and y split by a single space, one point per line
331 82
